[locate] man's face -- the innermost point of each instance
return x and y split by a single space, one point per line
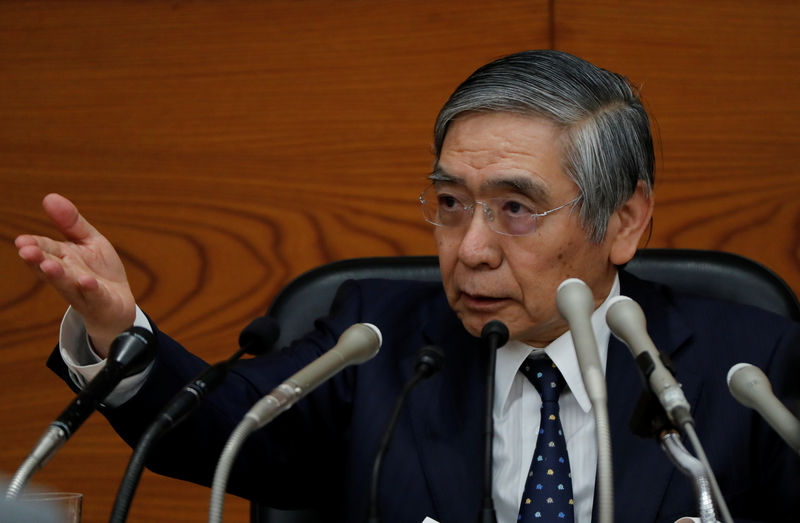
514 279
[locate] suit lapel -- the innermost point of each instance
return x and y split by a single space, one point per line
642 471
447 421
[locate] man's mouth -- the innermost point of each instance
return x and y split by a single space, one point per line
481 301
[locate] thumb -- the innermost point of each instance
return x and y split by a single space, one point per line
67 218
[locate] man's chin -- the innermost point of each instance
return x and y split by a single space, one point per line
474 323
536 336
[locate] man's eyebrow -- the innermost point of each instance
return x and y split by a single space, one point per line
520 184
440 175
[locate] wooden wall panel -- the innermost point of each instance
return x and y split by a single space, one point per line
722 80
224 147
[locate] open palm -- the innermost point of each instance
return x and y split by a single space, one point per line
84 268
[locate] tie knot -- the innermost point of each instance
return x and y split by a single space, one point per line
545 376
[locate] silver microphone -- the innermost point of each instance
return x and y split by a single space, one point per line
627 322
575 303
751 387
357 344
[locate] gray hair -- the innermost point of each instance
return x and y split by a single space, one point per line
607 143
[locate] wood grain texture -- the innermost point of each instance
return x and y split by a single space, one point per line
722 80
224 148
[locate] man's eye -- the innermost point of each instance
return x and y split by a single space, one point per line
515 208
448 202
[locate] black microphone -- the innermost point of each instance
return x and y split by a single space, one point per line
429 361
130 353
493 336
257 338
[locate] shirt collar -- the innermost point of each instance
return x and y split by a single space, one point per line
511 355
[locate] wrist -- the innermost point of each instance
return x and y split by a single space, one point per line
101 337
100 344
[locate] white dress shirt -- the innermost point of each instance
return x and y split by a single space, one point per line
517 407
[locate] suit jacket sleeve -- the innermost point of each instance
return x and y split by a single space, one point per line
272 461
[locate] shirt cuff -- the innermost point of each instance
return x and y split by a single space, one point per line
83 362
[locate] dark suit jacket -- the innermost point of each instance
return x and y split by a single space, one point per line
320 452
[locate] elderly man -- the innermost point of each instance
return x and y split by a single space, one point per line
543 171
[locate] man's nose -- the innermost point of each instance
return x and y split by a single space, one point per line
479 245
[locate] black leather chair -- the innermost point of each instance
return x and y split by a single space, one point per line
707 273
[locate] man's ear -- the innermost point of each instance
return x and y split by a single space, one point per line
628 223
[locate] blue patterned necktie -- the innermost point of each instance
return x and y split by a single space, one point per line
548 488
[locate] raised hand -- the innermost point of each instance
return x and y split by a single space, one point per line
85 269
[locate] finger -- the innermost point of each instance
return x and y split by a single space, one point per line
32 254
46 245
47 265
41 248
28 249
52 269
67 218
80 290
24 239
88 285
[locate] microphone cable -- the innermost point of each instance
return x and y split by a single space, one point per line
429 361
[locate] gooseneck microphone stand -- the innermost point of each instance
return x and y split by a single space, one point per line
256 338
663 407
429 361
650 420
493 335
694 470
130 353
